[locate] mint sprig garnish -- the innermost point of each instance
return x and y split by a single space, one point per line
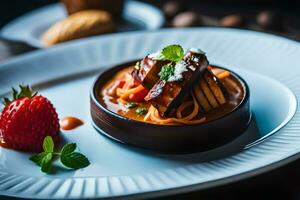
68 157
172 53
166 71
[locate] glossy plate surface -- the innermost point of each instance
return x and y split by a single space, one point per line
65 74
136 16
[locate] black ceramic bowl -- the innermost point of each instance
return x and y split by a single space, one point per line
166 138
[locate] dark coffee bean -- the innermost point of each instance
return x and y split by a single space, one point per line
186 19
172 8
232 21
270 20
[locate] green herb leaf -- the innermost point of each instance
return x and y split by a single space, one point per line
173 53
74 160
166 71
68 149
37 159
141 111
46 163
130 105
68 157
48 144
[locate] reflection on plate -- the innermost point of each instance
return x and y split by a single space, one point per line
136 16
71 69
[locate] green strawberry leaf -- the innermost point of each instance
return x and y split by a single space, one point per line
46 163
25 91
37 159
6 101
74 160
48 144
68 149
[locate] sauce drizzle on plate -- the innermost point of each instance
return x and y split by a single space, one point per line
69 123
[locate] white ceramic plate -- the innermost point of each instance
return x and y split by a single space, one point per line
65 74
29 28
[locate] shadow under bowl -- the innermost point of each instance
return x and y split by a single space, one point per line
168 138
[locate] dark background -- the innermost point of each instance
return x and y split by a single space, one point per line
10 9
281 183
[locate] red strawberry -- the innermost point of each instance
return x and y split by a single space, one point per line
26 120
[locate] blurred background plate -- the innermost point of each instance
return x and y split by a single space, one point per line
30 27
119 170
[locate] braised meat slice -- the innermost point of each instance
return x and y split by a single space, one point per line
168 94
147 72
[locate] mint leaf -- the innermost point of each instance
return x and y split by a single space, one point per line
44 160
48 144
37 159
166 71
173 53
46 163
74 160
68 148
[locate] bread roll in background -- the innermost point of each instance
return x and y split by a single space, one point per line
115 7
81 24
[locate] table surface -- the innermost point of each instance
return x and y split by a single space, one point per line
281 183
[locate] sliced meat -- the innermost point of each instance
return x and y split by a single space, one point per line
167 95
147 74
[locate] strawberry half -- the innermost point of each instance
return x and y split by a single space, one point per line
26 120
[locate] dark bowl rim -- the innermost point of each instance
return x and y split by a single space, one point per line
128 63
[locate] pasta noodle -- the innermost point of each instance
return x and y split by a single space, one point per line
125 94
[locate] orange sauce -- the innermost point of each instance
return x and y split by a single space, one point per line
69 123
